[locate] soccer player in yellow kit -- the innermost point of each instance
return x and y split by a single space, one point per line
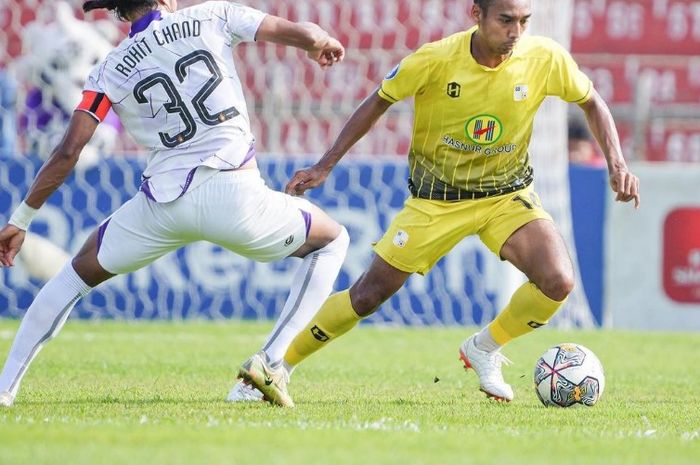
476 94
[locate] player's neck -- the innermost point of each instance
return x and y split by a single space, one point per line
483 55
138 15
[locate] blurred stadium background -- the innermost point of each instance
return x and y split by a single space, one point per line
637 269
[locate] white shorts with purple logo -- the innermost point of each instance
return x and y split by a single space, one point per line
233 209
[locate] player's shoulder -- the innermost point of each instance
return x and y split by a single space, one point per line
539 47
204 10
118 50
214 9
445 48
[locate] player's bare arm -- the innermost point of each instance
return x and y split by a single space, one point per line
50 177
319 45
600 120
360 122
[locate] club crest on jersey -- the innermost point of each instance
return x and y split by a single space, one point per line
520 92
392 74
401 238
483 129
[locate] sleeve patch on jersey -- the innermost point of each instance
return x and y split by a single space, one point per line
392 74
95 103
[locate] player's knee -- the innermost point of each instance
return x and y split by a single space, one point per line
89 269
365 303
341 242
335 243
367 297
324 231
558 285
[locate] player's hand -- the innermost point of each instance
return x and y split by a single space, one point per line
626 186
11 239
305 179
332 52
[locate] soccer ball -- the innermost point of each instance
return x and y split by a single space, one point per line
569 374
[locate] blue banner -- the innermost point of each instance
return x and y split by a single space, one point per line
204 281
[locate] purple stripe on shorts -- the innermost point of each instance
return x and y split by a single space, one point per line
307 220
146 189
188 181
101 233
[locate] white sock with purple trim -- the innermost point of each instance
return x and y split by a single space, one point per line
43 320
311 286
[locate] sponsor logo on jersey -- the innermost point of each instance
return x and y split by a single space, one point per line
289 240
483 129
392 74
475 148
460 145
681 259
520 92
453 89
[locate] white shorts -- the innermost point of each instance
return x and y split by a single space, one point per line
233 209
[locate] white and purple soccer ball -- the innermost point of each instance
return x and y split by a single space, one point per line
567 375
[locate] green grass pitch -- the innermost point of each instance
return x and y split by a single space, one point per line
132 393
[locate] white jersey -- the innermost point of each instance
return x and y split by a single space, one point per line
174 85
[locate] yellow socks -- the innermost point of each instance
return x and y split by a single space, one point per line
527 310
335 318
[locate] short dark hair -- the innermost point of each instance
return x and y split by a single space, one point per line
484 5
122 8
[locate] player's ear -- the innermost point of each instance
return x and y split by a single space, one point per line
475 12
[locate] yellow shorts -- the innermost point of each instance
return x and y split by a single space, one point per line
425 230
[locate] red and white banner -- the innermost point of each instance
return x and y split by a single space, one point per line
663 27
672 79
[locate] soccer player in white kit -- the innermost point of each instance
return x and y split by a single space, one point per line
175 88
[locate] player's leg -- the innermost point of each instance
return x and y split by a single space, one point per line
48 313
322 256
339 314
523 234
336 317
407 247
139 224
342 311
240 213
538 250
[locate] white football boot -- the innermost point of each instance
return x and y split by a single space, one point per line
272 382
487 366
6 399
243 391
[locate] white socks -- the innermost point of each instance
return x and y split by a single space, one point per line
43 320
312 284
485 341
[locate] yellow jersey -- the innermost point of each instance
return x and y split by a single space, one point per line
472 124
